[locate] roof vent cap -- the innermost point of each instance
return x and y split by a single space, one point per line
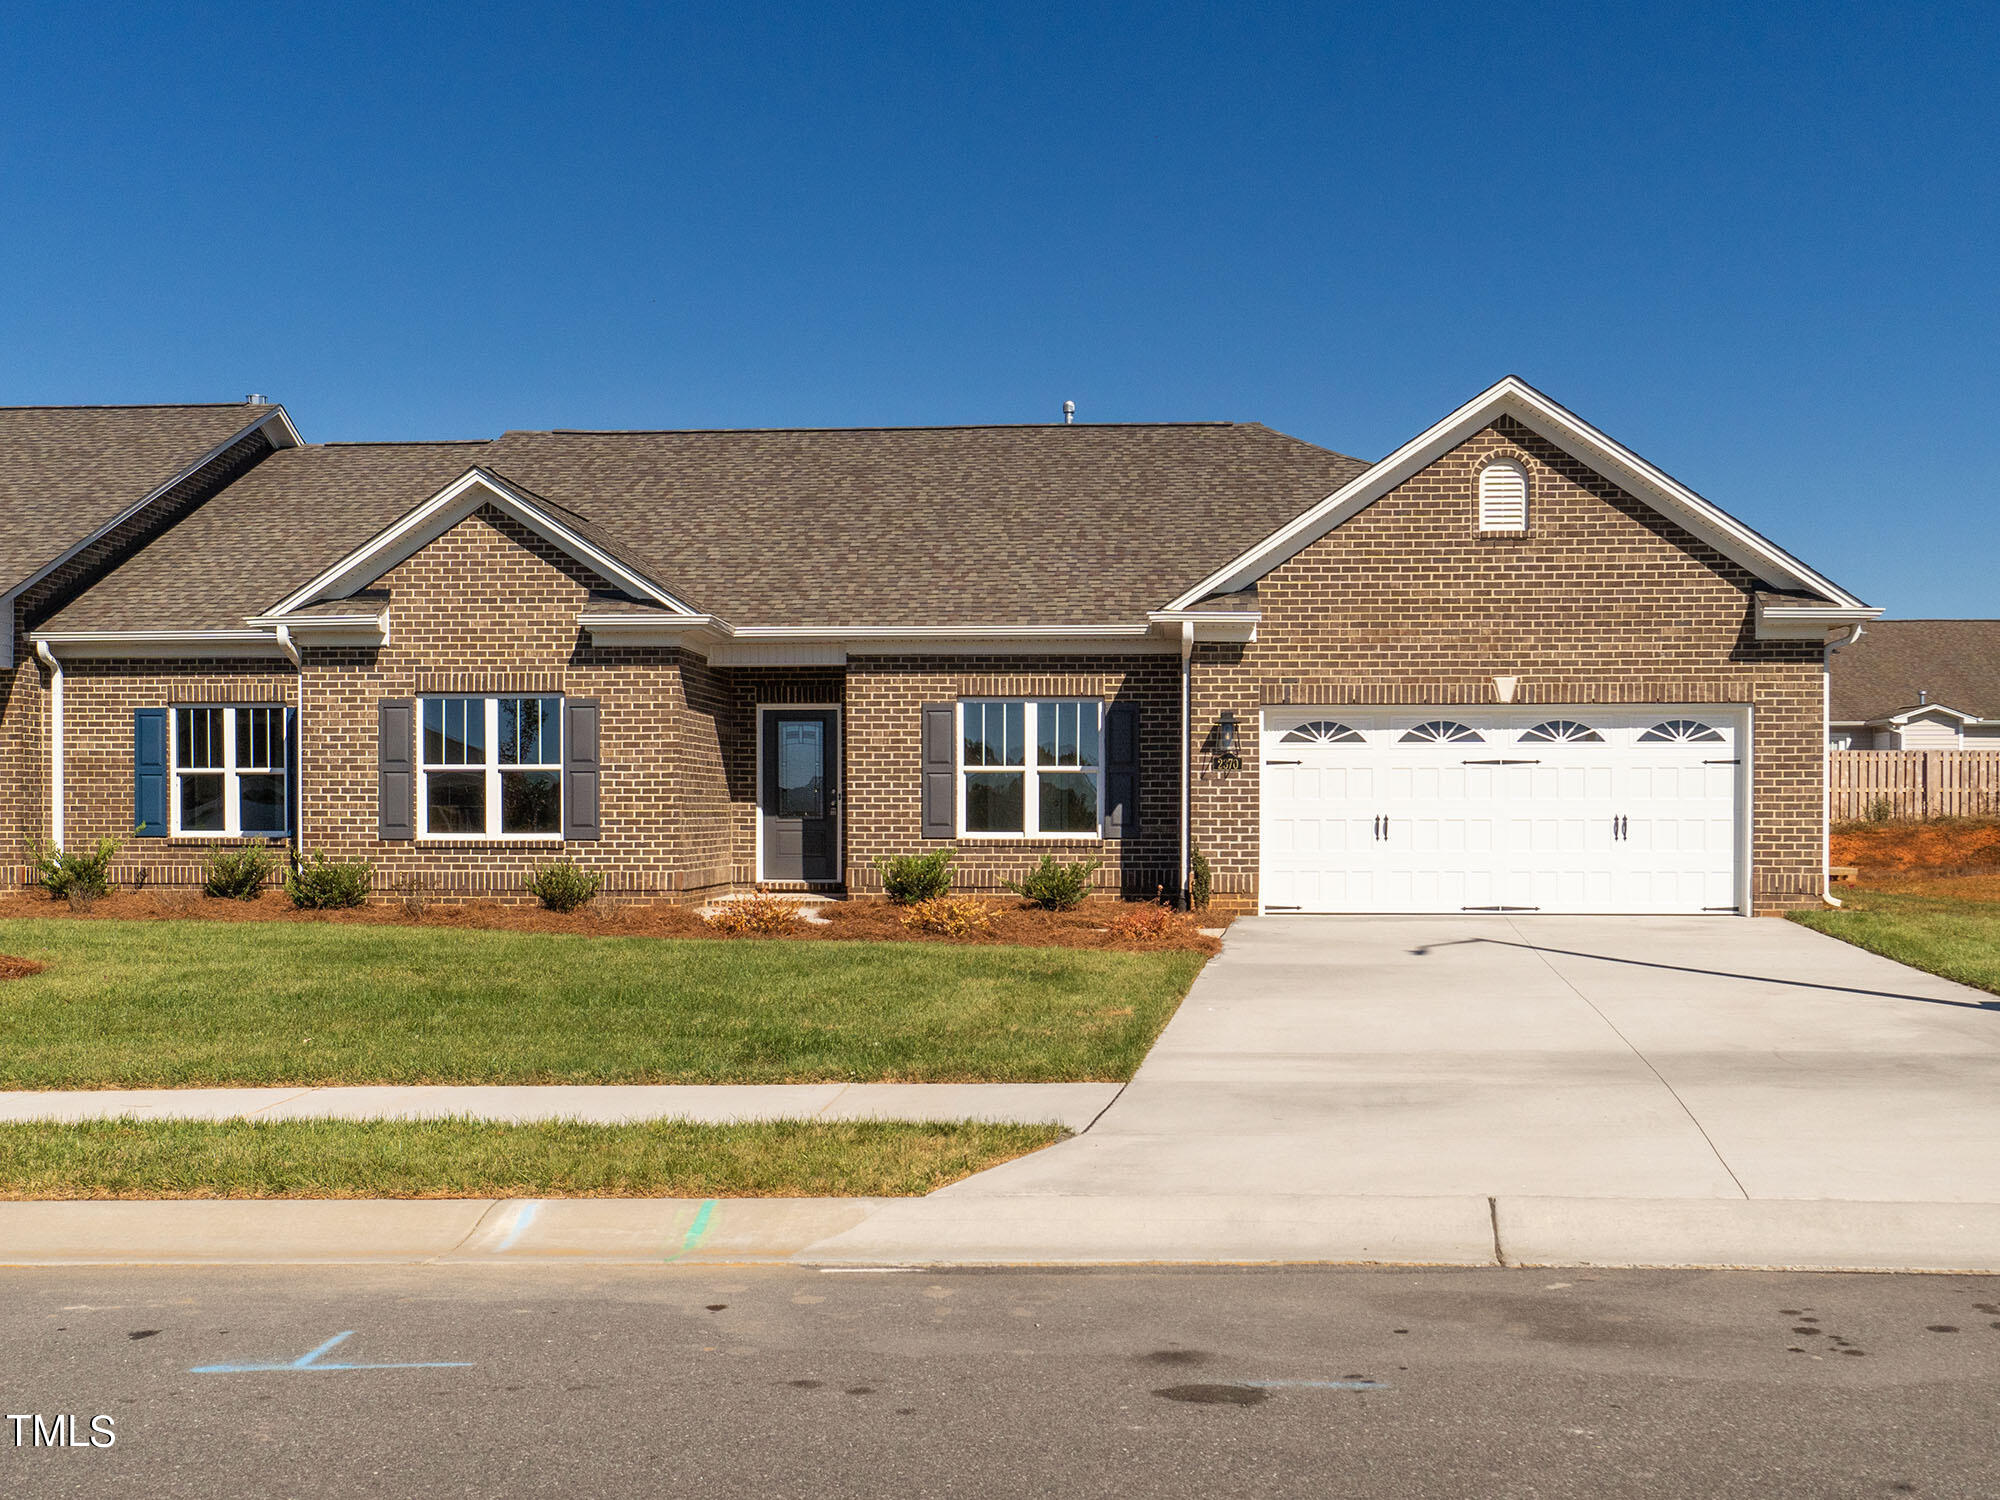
1069 412
255 400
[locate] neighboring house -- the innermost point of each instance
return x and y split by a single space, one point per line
1510 666
1918 685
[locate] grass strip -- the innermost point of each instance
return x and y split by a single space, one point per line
1953 939
200 1004
465 1158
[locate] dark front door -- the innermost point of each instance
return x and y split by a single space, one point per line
801 797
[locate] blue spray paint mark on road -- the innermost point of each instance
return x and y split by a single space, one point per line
523 1217
697 1229
310 1363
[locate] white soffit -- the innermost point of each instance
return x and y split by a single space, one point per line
1514 397
416 530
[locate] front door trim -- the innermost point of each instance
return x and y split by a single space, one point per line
838 754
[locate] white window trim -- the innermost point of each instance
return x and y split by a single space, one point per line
232 785
1030 800
492 768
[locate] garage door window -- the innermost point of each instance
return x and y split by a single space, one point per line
1321 732
1562 732
1680 732
1442 732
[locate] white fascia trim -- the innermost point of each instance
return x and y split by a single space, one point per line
278 429
1516 398
78 644
1929 708
819 640
439 514
1208 624
329 630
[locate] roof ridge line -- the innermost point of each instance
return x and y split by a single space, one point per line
919 427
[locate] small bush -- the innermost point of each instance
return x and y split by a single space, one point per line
765 915
1151 922
949 916
321 884
74 876
563 886
416 893
1881 810
1055 886
916 877
238 874
1201 881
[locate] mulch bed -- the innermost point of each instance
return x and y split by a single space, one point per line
1089 926
1956 845
17 968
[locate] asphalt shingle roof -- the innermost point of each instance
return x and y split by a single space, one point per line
1035 525
67 471
1957 662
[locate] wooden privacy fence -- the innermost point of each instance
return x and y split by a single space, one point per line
1913 784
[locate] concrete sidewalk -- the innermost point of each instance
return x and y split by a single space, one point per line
1072 1105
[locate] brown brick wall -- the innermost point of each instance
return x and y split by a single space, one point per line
1603 600
24 799
885 698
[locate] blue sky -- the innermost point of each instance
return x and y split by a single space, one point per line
1757 243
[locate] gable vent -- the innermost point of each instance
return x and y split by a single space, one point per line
1503 497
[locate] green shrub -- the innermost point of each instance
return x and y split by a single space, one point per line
1055 886
1881 810
916 877
319 884
563 886
1201 881
73 876
238 874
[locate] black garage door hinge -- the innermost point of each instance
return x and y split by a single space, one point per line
1499 908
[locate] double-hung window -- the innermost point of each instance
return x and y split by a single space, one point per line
1031 767
229 771
492 768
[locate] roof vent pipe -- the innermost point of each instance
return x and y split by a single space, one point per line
1923 696
255 400
1069 412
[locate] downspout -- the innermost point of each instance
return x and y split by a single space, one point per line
297 766
1187 746
1826 763
50 660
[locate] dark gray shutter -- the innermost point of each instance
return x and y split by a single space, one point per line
149 772
395 772
1121 771
940 771
582 771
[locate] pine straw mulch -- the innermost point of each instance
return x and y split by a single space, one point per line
1013 921
17 968
1940 846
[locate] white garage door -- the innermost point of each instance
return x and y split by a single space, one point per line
1575 809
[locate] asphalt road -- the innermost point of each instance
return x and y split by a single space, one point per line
699 1383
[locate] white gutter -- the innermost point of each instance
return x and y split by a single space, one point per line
1826 764
55 740
1187 745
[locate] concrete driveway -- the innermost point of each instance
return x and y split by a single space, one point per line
1570 1056
1642 1090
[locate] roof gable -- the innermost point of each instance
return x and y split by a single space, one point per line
1514 397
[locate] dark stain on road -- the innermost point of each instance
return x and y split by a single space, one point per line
717 1306
861 1390
1940 1328
1216 1395
1177 1357
142 1333
805 1385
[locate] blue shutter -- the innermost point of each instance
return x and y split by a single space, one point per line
149 772
291 771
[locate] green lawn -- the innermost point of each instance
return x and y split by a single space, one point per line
461 1158
183 1004
1956 938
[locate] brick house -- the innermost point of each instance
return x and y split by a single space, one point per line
1510 666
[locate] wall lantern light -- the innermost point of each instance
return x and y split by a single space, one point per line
1226 756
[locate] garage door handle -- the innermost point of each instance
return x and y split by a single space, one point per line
1283 763
1723 763
1621 828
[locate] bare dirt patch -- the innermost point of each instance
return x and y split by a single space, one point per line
1940 846
1095 924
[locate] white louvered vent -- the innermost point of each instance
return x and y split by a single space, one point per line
1503 497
